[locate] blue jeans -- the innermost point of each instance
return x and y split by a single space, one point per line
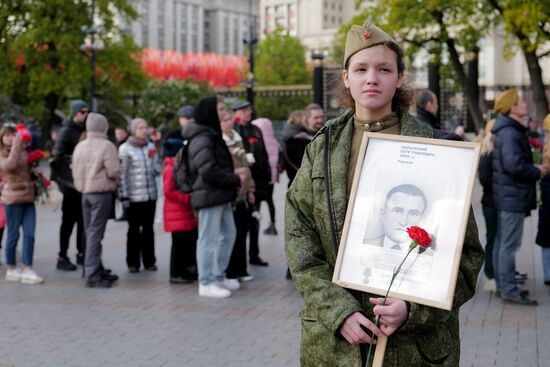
546 263
507 243
17 215
216 238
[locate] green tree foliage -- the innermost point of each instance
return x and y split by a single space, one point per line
456 26
527 25
280 60
41 61
160 100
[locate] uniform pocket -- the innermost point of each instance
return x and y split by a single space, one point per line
434 347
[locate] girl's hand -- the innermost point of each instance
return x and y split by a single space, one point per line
354 328
392 315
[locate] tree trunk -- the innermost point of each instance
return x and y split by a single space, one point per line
469 92
537 85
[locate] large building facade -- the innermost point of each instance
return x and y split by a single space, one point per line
314 22
215 26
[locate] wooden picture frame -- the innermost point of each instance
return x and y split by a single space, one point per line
402 181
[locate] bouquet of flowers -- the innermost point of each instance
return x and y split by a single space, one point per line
41 183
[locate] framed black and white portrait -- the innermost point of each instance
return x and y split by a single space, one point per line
401 182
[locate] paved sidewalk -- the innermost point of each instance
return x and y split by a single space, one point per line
145 321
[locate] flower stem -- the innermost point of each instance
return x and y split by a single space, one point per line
377 319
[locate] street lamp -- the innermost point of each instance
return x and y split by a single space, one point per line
317 58
91 30
250 41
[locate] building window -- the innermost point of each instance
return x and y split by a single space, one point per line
160 24
226 35
236 38
144 10
206 32
195 28
183 26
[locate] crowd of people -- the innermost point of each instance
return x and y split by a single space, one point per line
234 160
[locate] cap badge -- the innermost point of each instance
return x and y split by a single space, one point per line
367 35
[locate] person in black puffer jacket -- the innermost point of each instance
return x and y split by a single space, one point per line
69 135
215 186
514 179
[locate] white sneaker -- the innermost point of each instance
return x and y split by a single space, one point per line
231 284
213 290
13 275
246 278
30 277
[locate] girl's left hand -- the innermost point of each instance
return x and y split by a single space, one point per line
392 315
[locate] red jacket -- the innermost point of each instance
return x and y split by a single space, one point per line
178 214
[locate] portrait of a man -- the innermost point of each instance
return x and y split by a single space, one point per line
404 206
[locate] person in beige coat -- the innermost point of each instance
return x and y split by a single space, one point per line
18 198
96 174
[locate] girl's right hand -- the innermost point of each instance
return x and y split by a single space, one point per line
17 139
353 329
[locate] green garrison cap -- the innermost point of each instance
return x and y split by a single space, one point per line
368 35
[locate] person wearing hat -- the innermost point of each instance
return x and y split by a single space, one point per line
185 116
337 322
254 144
96 174
68 137
543 234
514 190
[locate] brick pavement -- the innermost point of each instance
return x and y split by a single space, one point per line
145 321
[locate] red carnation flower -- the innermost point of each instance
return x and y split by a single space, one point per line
420 236
34 156
252 140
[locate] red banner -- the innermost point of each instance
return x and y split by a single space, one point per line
218 70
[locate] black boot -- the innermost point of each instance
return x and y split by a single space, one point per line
271 230
63 263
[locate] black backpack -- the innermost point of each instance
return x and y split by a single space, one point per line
182 173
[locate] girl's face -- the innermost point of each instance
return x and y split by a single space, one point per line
141 130
227 123
373 78
220 107
7 139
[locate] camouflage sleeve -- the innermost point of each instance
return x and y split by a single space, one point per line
306 249
421 316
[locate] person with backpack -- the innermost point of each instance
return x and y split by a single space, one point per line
179 219
214 186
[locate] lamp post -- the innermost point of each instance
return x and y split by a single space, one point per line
317 58
91 30
250 41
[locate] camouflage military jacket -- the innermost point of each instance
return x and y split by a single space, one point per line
430 336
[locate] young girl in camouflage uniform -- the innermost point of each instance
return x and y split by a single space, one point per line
334 319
